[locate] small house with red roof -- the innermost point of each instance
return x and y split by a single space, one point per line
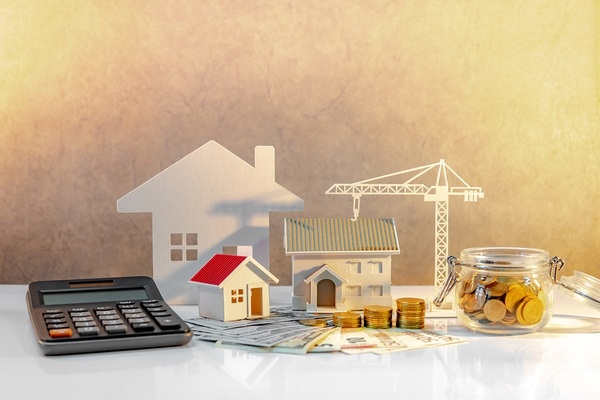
233 287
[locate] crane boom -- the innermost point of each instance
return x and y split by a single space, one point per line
438 193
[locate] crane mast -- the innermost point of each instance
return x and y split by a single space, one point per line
439 192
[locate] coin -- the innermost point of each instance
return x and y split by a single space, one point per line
504 300
378 317
473 301
319 322
496 289
410 313
509 319
347 320
530 311
494 310
514 295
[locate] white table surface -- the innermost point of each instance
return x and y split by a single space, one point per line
559 363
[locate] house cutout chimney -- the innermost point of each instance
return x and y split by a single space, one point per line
264 161
245 251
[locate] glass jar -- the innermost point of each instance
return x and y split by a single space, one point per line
502 290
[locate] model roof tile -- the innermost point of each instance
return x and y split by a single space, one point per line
217 269
332 235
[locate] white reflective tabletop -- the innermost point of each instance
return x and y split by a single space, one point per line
561 362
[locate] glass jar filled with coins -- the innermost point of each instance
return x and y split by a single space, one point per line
502 290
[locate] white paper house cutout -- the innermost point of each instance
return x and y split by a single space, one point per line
232 287
206 200
339 264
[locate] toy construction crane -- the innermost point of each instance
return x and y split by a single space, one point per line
439 193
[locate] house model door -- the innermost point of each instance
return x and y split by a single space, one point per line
255 301
326 293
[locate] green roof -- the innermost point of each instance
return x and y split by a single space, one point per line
332 235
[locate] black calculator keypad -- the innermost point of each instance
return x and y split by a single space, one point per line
121 318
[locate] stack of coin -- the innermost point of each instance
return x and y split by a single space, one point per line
316 322
410 313
347 319
378 317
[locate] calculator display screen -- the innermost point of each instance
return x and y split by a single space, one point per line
93 296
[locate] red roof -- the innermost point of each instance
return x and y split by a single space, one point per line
217 269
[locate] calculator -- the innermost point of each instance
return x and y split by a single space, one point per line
94 315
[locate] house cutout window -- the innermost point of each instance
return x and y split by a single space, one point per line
354 267
237 296
377 267
184 247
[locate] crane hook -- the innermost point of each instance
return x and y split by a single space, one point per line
355 206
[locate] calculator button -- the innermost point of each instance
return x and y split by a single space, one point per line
78 309
58 326
168 323
103 308
54 315
155 309
127 306
84 324
116 329
88 331
53 311
127 302
138 320
80 314
106 312
82 319
136 315
136 310
60 333
142 327
108 317
151 301
55 320
161 314
107 322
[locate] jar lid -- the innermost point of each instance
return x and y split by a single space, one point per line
582 287
494 258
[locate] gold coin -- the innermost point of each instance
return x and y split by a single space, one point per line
509 319
531 311
314 322
494 310
347 319
378 317
514 295
410 302
410 313
377 311
472 302
496 289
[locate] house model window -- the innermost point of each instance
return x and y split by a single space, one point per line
354 267
377 290
377 267
184 247
237 296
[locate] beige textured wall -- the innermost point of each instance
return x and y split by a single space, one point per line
96 97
